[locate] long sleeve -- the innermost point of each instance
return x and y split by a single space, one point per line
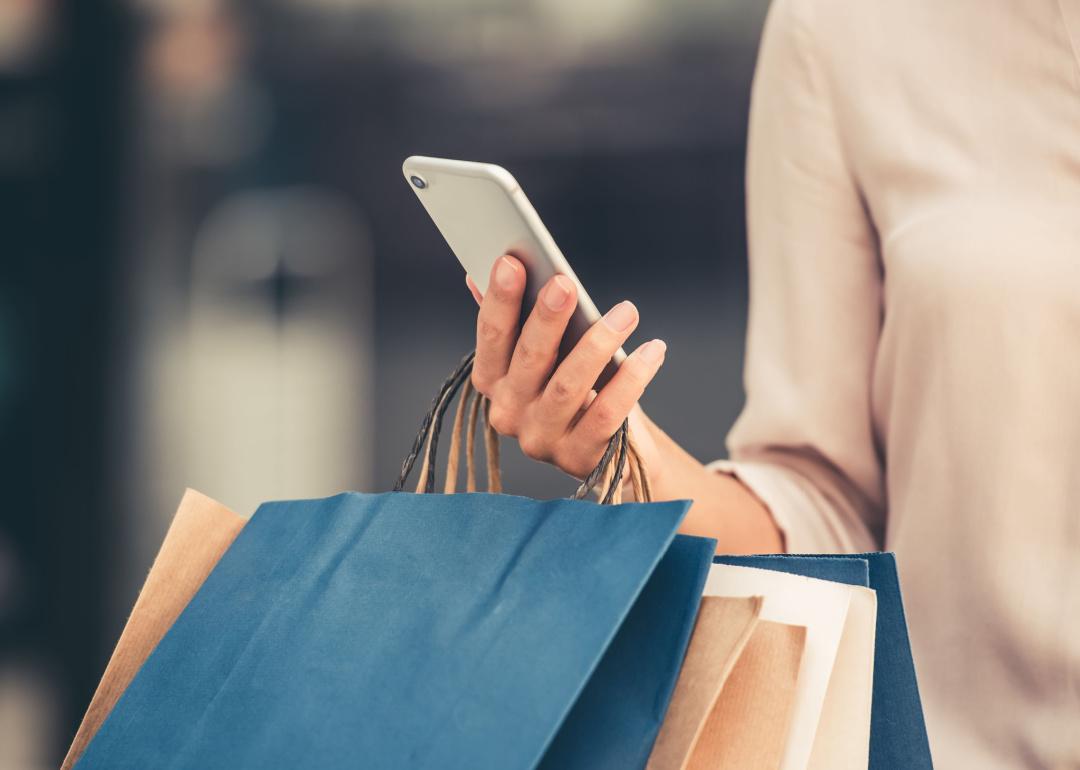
913 358
804 442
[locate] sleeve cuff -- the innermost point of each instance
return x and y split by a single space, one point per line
807 519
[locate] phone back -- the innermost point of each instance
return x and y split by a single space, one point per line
475 208
482 213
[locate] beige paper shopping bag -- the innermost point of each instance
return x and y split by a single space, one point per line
843 735
748 725
724 625
200 533
822 607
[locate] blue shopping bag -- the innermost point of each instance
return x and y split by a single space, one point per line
615 721
407 630
897 729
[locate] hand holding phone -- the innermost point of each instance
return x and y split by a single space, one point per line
542 346
551 408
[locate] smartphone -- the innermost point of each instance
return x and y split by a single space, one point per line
482 213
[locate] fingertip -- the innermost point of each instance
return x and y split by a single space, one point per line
653 352
622 317
508 274
558 293
476 295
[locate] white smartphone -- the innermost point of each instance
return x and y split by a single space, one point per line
482 213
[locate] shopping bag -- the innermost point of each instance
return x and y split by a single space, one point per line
837 568
733 701
723 627
420 630
615 721
897 727
749 723
837 618
201 531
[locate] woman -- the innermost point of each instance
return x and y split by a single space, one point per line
913 363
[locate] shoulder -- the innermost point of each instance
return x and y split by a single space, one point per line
824 26
840 44
837 19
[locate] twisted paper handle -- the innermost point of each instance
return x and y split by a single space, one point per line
620 454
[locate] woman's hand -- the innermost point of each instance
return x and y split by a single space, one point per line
552 410
557 417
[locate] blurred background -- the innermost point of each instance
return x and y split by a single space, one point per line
212 273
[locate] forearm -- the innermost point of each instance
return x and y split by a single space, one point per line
723 508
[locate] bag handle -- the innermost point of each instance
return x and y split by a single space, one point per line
468 415
619 455
465 423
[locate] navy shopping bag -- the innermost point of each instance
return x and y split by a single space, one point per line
897 728
408 630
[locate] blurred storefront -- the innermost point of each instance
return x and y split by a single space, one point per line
214 276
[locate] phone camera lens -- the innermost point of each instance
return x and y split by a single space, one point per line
418 182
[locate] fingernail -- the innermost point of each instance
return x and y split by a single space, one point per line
506 273
652 352
557 292
620 317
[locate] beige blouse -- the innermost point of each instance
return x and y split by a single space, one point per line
913 364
